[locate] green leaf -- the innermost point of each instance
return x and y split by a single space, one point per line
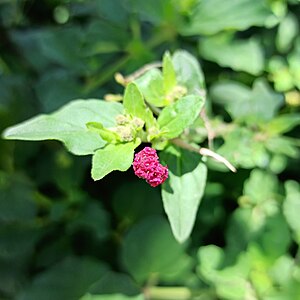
104 36
261 186
68 125
17 199
169 75
282 145
259 275
113 283
287 31
294 63
212 16
183 190
278 163
291 207
150 248
130 207
134 104
30 42
188 71
17 240
280 74
242 149
133 101
174 118
289 291
180 271
282 123
154 11
210 258
57 88
274 237
242 223
113 157
240 55
17 246
151 84
230 282
106 134
161 89
282 270
58 46
60 282
111 297
92 218
243 104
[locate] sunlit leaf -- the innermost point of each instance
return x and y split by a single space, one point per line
188 71
287 31
68 125
291 207
252 106
113 157
134 104
240 55
152 86
261 186
176 117
183 190
168 73
283 123
212 16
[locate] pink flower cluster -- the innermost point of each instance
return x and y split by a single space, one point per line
146 165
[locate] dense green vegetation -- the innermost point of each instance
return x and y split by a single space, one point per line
64 236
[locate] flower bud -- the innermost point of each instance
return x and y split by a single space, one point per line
121 119
146 165
138 123
125 133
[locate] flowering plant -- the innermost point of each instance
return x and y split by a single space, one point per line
146 165
157 108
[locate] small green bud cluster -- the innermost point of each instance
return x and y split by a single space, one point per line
127 127
122 119
125 133
138 123
178 92
153 132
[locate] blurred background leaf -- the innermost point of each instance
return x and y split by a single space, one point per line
63 236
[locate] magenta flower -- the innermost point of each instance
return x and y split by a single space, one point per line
146 165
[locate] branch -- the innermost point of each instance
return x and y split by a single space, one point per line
205 152
210 132
218 157
125 80
178 293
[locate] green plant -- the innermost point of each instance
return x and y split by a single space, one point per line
229 100
111 131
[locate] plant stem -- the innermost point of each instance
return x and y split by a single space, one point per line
141 71
204 152
219 158
167 293
178 293
210 132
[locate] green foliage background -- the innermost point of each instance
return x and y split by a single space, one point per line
63 236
